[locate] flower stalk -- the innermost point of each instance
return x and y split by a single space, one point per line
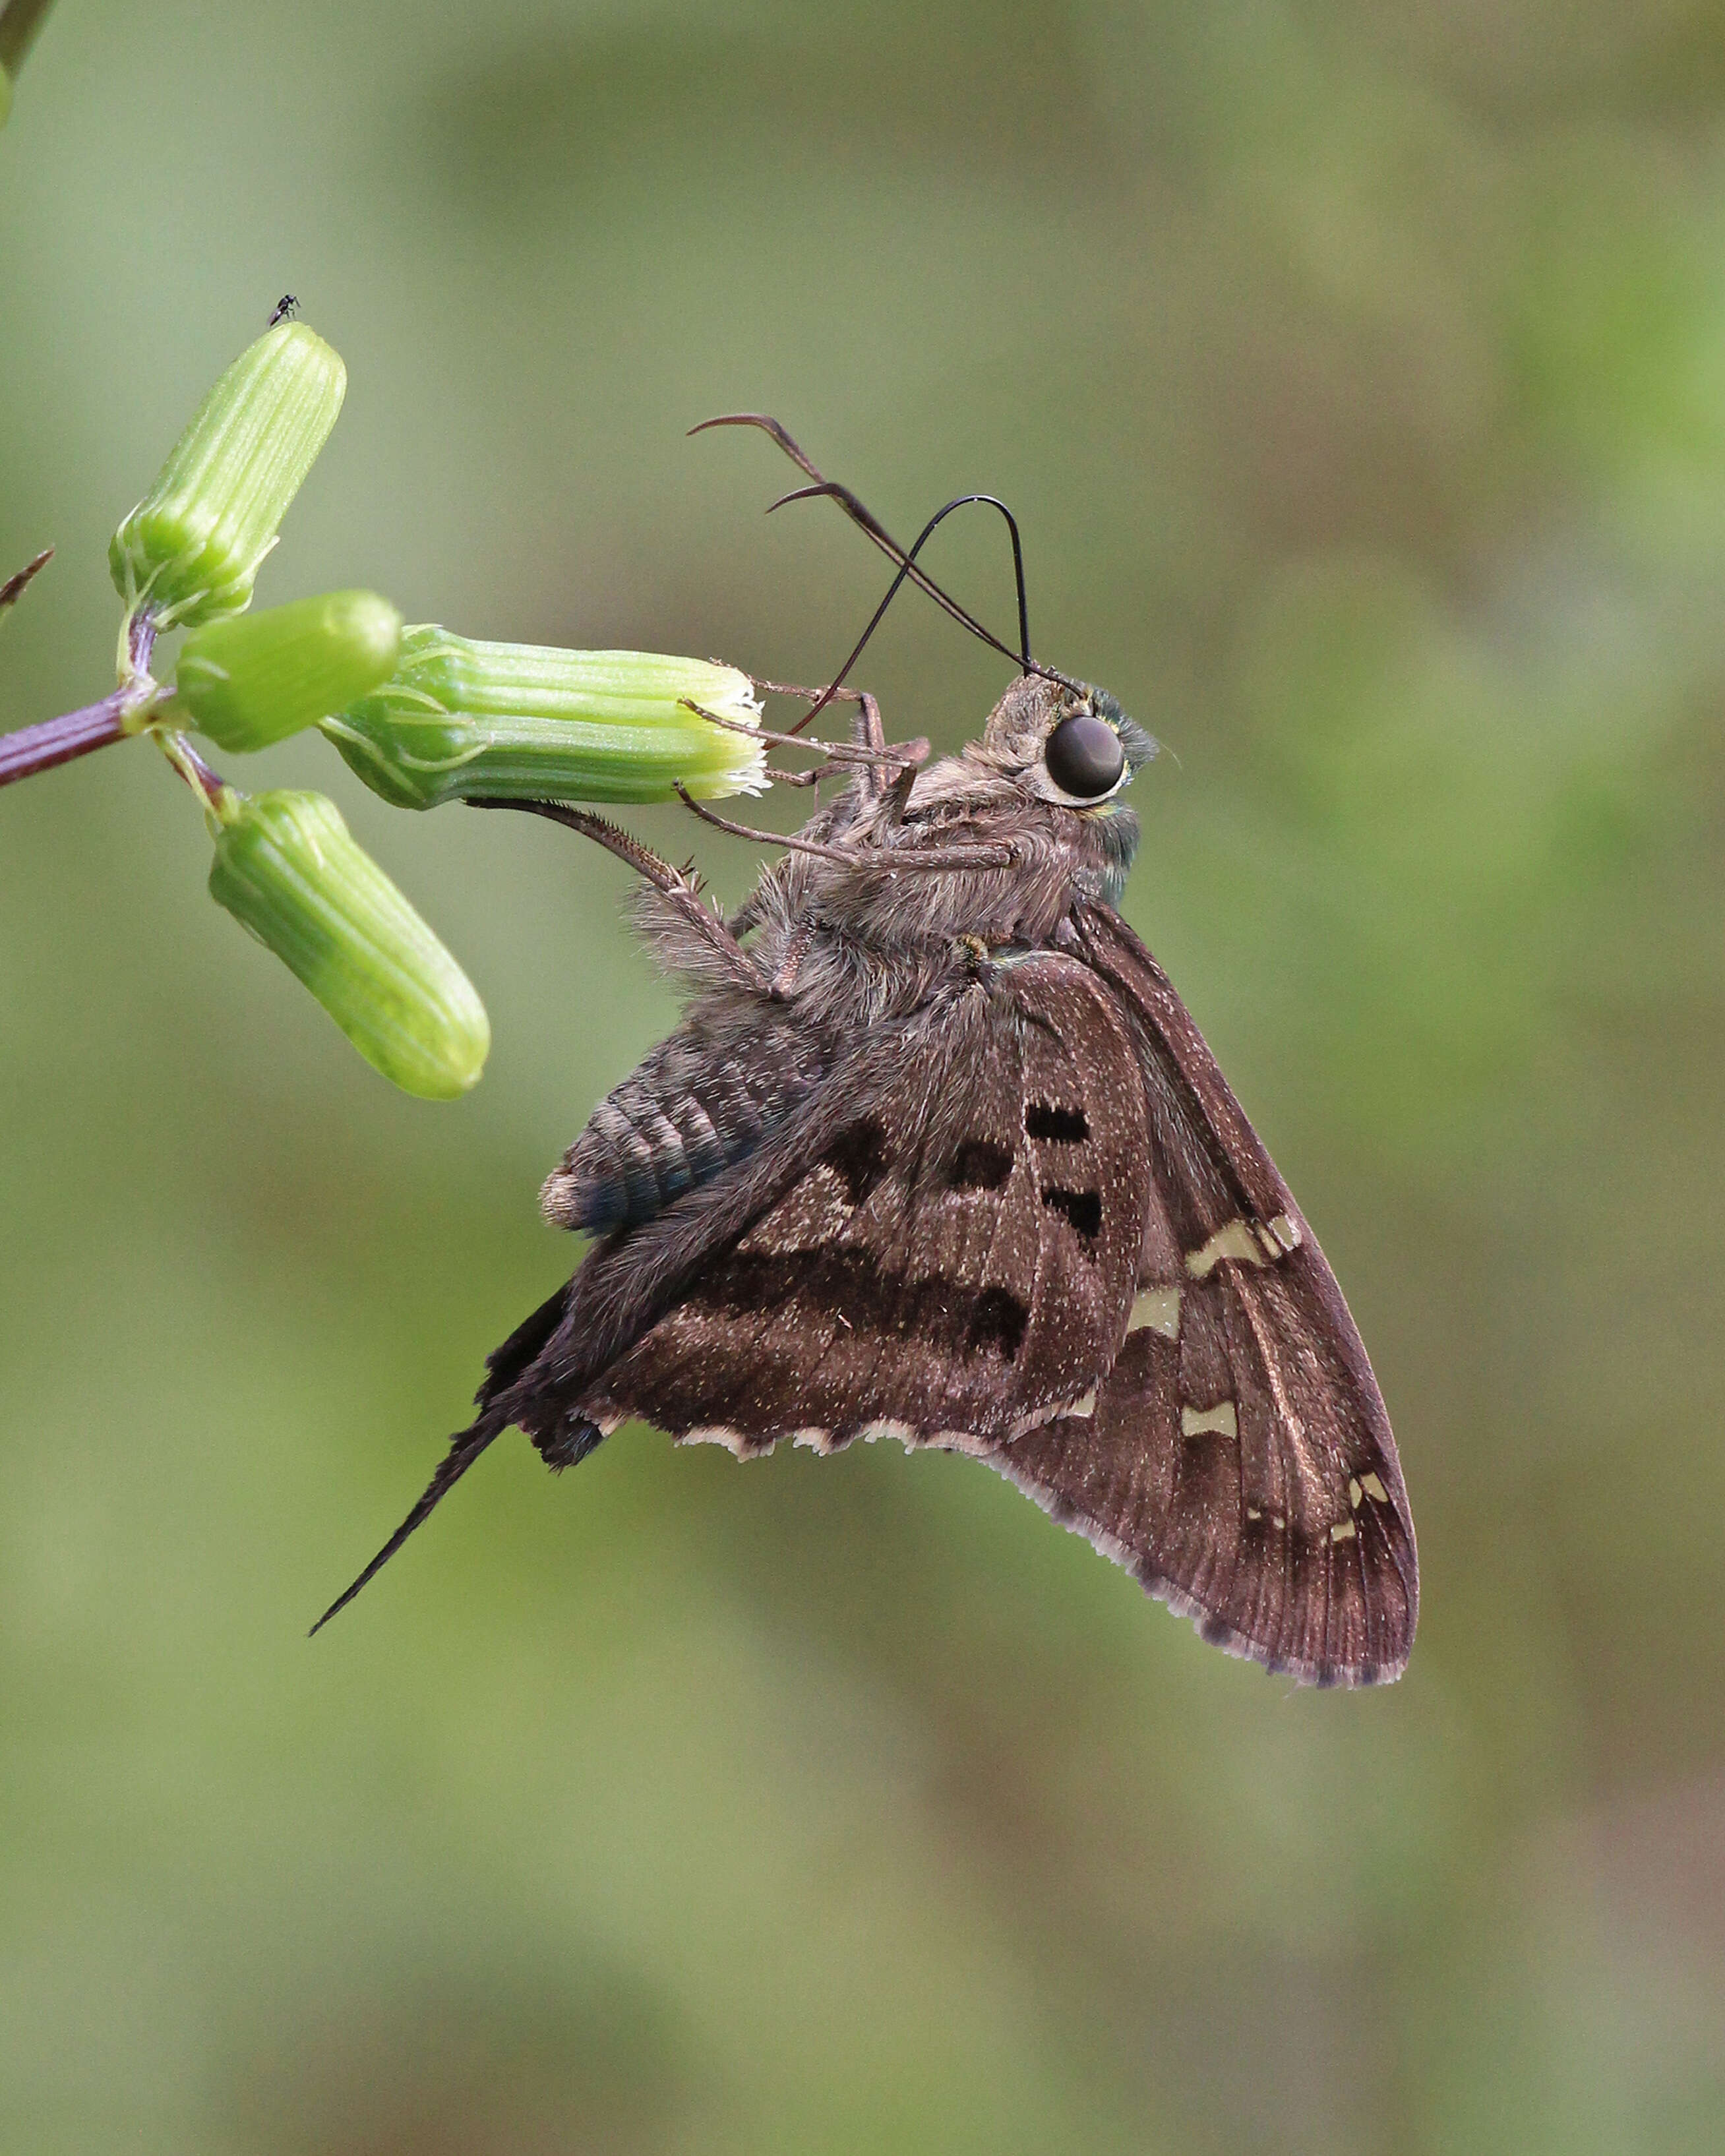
123 712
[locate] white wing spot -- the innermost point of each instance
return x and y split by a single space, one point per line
1286 1229
1201 1422
1374 1489
1156 1309
1344 1530
1355 1488
1235 1240
1084 1408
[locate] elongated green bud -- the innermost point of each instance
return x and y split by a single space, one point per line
466 720
191 548
254 680
287 869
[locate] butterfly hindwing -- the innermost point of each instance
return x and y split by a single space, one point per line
954 1263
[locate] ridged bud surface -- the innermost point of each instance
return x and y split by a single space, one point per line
287 869
463 720
191 548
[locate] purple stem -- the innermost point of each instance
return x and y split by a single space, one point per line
197 774
39 748
31 749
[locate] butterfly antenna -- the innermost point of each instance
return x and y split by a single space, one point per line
855 508
861 515
464 1448
907 569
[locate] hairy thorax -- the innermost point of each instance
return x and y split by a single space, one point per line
875 933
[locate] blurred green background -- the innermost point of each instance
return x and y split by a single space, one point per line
1358 373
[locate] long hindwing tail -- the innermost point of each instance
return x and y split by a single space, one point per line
464 1449
503 1366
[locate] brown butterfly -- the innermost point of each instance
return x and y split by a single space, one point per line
938 1152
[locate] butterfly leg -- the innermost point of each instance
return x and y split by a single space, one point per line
680 888
791 964
879 778
898 797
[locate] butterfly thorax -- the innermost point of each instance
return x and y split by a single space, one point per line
1016 852
1018 866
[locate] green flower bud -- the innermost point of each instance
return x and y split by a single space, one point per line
192 547
249 682
287 870
466 720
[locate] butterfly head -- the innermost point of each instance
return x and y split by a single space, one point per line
1064 741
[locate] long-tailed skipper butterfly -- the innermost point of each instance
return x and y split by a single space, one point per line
938 1152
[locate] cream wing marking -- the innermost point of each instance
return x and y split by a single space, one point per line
1157 1308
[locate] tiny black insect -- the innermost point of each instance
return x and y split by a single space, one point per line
287 308
938 1151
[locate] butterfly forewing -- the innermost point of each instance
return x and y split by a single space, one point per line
1270 1512
1238 1459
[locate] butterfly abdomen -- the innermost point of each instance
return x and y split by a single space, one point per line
702 1102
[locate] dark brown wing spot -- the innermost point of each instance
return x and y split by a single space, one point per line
859 1155
997 1320
1065 1126
980 1164
953 1318
1082 1209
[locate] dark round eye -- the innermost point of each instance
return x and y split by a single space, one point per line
1084 757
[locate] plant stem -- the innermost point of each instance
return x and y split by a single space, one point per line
30 749
39 748
19 21
219 800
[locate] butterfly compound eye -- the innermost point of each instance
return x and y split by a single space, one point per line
1084 757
